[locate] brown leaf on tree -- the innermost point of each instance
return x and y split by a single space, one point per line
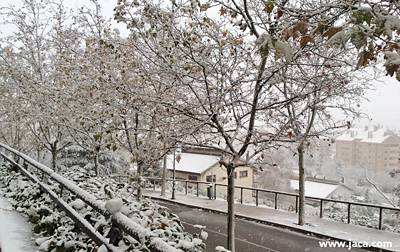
287 34
178 158
269 7
222 11
332 31
301 26
364 58
280 13
305 39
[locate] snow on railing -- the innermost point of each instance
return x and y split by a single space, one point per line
118 219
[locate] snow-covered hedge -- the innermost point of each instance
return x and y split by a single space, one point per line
367 217
57 232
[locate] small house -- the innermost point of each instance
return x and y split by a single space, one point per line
322 188
203 165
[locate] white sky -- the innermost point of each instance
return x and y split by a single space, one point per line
384 105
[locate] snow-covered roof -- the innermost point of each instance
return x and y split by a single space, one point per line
315 189
193 163
365 135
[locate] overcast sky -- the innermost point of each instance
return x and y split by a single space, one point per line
384 105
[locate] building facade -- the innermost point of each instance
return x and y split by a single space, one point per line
200 165
378 147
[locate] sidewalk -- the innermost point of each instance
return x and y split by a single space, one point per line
15 231
316 226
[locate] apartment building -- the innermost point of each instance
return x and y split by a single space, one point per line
379 147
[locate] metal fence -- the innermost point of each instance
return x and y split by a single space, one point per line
118 220
256 193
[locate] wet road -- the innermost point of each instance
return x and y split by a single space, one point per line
250 236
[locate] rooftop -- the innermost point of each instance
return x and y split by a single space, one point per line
316 189
192 163
375 135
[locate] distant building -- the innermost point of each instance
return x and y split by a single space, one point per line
203 165
379 147
322 188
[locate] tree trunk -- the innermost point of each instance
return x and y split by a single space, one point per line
302 198
164 176
54 157
231 208
96 164
139 181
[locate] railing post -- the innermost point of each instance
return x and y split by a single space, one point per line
320 208
186 187
154 184
380 218
297 203
348 213
215 191
256 197
276 200
197 189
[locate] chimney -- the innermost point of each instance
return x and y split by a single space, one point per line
342 180
375 128
365 128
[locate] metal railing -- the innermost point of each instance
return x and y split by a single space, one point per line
118 220
256 192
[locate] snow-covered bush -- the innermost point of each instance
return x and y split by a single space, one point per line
59 233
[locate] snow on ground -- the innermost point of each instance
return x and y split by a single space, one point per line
15 230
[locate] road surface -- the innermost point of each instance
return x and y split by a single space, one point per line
250 236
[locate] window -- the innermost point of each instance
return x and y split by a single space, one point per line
208 178
193 177
235 175
243 174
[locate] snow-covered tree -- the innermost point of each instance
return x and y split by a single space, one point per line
225 68
110 162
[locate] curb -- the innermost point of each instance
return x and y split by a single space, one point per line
269 223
